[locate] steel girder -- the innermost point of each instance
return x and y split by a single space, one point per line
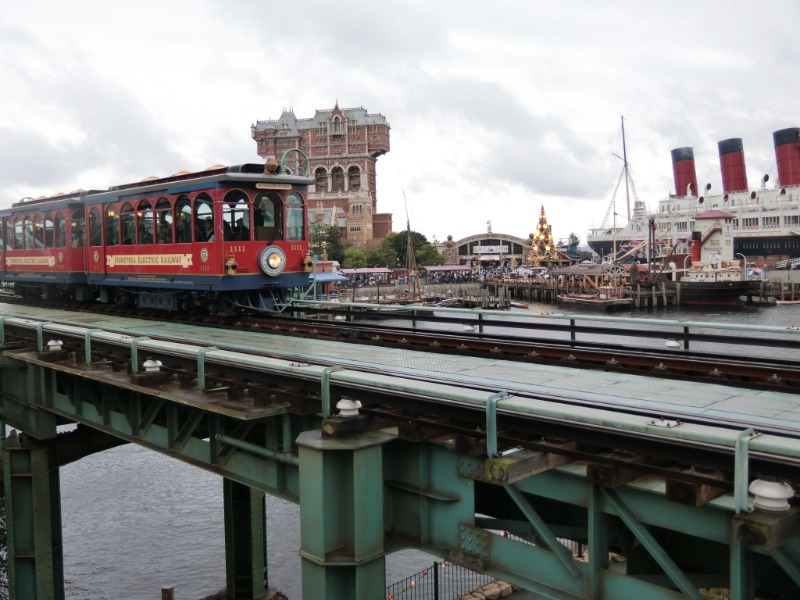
373 495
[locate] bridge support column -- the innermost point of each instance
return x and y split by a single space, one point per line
33 519
245 541
341 516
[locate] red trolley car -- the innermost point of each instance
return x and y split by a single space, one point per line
220 240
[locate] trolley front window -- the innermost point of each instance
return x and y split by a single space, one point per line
267 210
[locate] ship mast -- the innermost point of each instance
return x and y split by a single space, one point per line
614 229
414 284
625 169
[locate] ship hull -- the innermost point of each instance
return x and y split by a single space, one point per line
710 293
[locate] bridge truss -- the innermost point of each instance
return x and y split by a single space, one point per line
486 481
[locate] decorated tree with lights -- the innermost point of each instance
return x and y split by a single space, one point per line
543 249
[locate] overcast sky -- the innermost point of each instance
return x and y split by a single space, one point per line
496 108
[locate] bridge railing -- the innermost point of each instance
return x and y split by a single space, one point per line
440 581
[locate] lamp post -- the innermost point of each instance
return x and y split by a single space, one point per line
744 259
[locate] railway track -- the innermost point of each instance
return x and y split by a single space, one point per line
598 345
425 417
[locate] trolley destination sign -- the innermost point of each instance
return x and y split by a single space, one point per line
137 260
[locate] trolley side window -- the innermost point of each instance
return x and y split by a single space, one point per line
294 216
204 218
60 228
183 220
27 228
144 217
95 228
19 242
236 216
127 217
112 226
39 227
77 228
48 233
163 221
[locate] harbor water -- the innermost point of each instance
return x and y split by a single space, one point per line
135 520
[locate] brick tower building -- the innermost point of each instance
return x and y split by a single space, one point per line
343 146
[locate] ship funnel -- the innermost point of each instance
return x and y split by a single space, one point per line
683 172
787 155
731 163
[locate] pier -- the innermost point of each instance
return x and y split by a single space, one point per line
643 297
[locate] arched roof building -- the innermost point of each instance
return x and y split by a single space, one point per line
485 248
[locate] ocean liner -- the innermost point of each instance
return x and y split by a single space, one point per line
764 222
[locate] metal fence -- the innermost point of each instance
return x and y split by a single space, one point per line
440 581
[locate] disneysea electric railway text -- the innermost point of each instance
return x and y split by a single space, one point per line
223 240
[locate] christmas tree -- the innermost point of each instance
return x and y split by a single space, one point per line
543 249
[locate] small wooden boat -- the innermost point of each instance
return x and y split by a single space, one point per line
787 301
607 297
518 305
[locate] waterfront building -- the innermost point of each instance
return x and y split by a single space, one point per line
342 146
486 249
503 250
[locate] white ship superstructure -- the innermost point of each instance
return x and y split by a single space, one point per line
766 220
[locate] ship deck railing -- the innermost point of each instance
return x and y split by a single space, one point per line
790 263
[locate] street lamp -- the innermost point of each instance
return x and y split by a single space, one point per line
744 259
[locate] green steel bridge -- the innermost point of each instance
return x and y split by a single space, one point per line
485 463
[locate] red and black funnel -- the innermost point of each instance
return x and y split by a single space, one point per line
683 172
731 163
787 155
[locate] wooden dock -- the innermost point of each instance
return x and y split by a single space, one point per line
502 294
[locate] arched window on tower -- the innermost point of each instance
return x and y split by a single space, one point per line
337 175
354 179
337 125
322 180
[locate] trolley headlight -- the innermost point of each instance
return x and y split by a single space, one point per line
272 260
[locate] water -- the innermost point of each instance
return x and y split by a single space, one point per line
135 520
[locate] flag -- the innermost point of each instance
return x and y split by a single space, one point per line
756 272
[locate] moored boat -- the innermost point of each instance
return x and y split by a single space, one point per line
711 284
606 298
